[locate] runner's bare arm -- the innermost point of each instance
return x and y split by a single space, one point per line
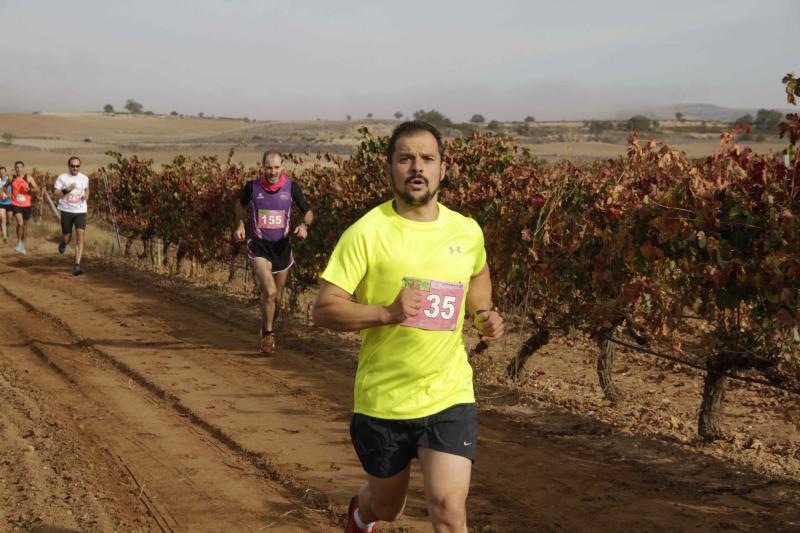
33 184
489 323
238 231
334 309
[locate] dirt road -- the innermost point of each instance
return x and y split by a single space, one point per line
130 403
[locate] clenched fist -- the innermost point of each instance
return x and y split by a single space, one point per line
490 325
406 305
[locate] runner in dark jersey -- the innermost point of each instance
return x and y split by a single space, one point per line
270 198
5 203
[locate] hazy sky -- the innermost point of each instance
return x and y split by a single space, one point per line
285 59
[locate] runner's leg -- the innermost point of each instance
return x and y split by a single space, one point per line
20 227
262 270
383 498
280 284
3 222
66 231
446 479
79 247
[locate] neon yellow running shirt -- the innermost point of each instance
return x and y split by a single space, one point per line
421 368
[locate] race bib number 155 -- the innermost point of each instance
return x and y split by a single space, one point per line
270 219
441 304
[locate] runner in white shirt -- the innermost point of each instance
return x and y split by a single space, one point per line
73 188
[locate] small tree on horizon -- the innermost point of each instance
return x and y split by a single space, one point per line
173 114
639 122
433 117
201 114
767 119
369 115
349 117
494 125
108 108
529 119
477 119
133 106
744 120
398 115
679 116
8 137
597 127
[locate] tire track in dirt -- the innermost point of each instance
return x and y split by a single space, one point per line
48 476
290 412
184 479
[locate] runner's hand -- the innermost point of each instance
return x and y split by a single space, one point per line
490 325
238 234
406 305
301 231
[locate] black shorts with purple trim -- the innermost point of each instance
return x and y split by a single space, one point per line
278 253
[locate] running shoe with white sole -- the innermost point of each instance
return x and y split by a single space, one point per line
351 526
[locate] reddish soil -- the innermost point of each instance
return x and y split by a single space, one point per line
134 402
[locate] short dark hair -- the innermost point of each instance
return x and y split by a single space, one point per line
73 157
413 126
19 163
270 153
2 168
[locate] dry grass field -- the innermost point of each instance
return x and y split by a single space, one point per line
45 140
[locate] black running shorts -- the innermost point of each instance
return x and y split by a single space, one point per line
279 253
386 447
70 219
25 211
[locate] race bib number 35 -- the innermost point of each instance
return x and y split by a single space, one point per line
441 304
270 219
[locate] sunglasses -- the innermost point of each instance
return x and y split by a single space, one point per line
74 166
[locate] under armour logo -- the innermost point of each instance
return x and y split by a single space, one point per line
455 250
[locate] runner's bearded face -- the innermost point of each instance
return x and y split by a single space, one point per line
273 167
416 169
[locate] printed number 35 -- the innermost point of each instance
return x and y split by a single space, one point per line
446 311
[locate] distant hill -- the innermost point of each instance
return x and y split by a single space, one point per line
696 111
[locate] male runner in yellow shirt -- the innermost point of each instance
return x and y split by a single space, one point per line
416 269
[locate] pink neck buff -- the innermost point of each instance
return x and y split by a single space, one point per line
273 187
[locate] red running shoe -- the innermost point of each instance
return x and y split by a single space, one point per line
267 342
351 526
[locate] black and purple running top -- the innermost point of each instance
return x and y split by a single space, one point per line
271 211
